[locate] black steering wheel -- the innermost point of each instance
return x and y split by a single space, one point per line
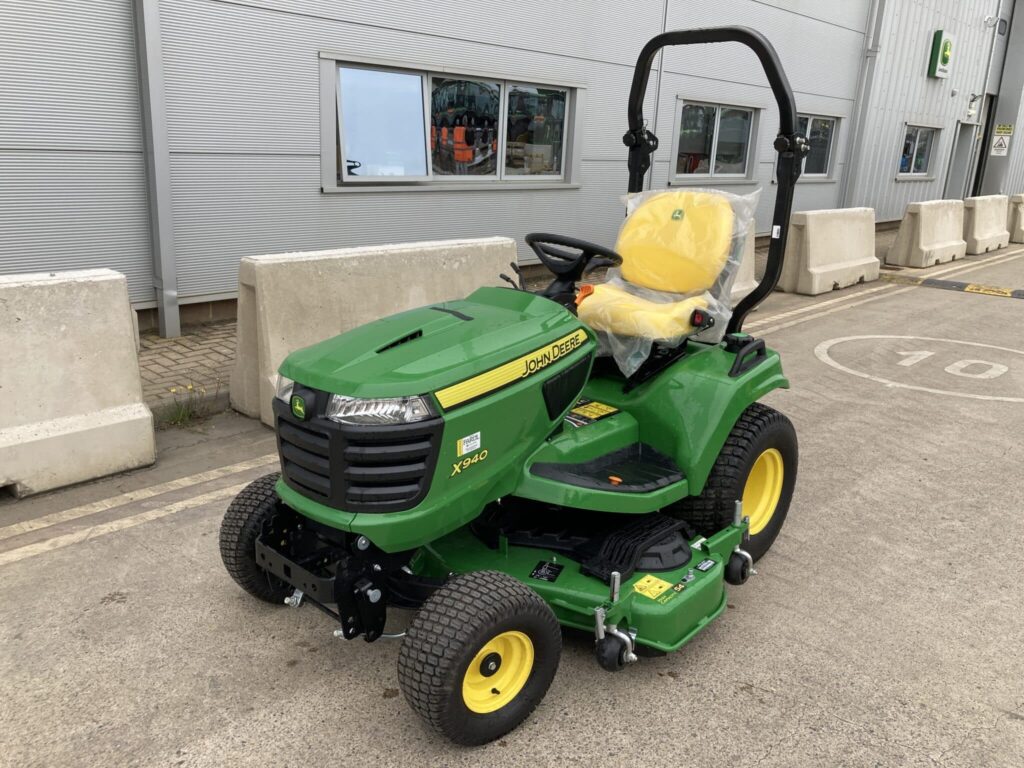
569 266
550 250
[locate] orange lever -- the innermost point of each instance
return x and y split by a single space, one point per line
585 290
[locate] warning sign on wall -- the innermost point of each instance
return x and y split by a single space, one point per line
1004 129
1000 146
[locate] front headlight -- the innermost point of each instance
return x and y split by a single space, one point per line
387 410
284 388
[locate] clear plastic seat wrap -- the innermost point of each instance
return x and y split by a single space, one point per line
680 252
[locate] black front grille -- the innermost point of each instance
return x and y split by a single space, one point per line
357 468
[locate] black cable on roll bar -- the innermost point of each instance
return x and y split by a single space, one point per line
788 144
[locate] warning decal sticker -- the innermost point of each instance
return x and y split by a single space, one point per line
651 586
546 571
588 411
467 444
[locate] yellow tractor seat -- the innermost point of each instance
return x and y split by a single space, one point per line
675 242
614 310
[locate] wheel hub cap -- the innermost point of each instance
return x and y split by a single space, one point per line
498 672
763 489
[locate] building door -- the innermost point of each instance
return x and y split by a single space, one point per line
961 162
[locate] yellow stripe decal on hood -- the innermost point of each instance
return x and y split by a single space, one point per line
520 368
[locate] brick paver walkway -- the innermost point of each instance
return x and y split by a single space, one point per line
201 357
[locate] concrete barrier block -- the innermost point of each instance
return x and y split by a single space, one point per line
931 233
830 249
985 223
292 300
1015 219
746 279
69 381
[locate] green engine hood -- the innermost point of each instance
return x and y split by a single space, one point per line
426 349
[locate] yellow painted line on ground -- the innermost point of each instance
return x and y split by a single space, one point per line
857 299
955 285
17 529
95 531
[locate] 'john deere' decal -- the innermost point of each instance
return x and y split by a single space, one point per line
512 371
545 357
298 407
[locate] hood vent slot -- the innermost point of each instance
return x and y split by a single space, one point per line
452 312
403 340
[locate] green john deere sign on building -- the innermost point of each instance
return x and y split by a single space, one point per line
942 53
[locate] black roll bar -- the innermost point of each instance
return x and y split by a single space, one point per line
790 146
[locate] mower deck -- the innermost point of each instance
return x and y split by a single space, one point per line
665 608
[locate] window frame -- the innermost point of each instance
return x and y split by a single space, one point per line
928 173
690 179
829 163
340 128
332 132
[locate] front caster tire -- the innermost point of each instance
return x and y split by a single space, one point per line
737 570
758 465
479 656
243 522
611 654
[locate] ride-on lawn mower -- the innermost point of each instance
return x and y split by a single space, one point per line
477 460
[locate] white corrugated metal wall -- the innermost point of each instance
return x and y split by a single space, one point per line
903 93
243 111
243 117
1015 185
72 181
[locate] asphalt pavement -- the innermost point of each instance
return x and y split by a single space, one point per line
883 629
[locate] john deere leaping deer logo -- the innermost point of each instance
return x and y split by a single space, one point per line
947 51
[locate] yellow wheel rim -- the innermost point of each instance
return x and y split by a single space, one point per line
498 672
763 489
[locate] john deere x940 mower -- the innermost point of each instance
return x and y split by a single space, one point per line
479 462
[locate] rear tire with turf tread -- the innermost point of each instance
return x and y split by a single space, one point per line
447 633
243 522
758 429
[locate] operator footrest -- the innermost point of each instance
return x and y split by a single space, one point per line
637 468
650 542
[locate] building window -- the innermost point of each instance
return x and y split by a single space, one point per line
402 126
917 150
383 132
713 140
464 127
534 126
820 133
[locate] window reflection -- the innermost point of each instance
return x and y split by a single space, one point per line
464 127
696 138
535 131
819 132
383 129
733 140
917 150
708 131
